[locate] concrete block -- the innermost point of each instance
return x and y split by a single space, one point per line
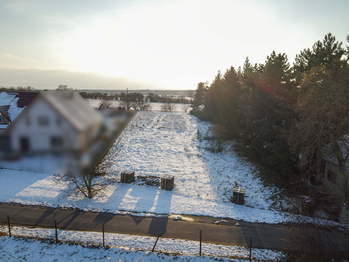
127 176
238 195
167 182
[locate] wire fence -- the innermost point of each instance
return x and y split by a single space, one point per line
150 243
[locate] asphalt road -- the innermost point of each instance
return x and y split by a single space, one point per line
228 233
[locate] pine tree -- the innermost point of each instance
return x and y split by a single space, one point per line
321 54
267 110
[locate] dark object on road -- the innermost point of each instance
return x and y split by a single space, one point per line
127 176
167 182
238 195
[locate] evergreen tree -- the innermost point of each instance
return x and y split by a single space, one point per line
321 130
199 96
267 110
212 100
321 54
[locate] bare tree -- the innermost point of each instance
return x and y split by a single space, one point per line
105 104
168 106
140 105
62 88
186 107
89 185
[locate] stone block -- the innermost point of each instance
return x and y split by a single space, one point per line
127 176
167 182
238 195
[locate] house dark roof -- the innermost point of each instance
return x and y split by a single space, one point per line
24 98
4 112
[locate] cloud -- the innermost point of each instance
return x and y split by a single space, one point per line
51 79
170 44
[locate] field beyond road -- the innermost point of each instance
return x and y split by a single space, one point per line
155 144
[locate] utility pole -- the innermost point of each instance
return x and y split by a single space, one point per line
127 99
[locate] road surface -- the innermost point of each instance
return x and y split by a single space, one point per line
227 233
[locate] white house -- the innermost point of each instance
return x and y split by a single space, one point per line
55 121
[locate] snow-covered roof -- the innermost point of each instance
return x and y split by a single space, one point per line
10 101
73 108
4 112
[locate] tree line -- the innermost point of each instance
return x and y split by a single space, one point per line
288 117
17 89
131 97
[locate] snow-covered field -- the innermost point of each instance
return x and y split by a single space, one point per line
158 143
153 106
124 247
168 143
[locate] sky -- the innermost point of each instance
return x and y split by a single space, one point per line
153 44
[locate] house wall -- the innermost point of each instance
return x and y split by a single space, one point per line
40 136
337 187
344 214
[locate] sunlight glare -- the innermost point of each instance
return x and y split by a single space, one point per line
156 44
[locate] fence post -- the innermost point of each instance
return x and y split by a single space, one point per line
56 231
9 226
156 242
200 241
250 248
103 233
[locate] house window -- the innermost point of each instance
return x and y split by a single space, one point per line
331 176
43 121
56 141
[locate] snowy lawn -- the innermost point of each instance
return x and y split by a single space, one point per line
154 144
124 247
